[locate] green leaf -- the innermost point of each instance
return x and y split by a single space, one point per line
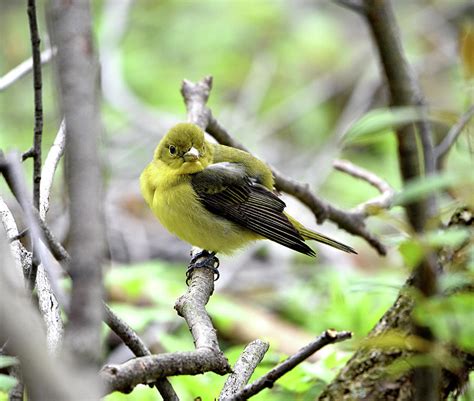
6 361
412 253
450 318
6 382
421 187
382 121
451 237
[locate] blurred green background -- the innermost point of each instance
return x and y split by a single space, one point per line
294 81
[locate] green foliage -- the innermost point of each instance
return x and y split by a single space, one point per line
450 318
6 382
421 187
340 301
385 120
333 299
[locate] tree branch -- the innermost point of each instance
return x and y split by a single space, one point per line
138 347
404 91
353 5
49 169
78 83
448 141
37 85
384 201
267 381
207 356
244 368
48 304
24 68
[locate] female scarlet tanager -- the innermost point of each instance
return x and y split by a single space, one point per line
219 198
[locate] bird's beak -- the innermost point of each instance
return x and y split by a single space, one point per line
191 155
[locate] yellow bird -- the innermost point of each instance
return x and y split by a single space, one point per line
219 198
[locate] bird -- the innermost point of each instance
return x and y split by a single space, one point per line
219 198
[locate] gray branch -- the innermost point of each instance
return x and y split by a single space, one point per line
138 347
267 381
206 358
244 368
77 76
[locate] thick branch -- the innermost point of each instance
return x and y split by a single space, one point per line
78 83
138 347
207 356
244 368
404 91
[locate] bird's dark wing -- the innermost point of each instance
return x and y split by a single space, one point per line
225 190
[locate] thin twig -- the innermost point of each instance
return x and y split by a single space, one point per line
353 5
24 68
448 141
49 169
37 86
244 368
372 206
138 347
267 381
47 287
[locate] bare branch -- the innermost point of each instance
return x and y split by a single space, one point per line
195 97
372 206
138 347
244 368
37 85
448 141
353 5
207 356
24 68
48 303
267 381
17 392
49 168
405 91
78 83
45 377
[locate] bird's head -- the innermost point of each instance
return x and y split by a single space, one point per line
184 149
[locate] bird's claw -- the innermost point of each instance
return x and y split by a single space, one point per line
210 262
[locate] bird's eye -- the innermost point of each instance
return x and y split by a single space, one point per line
172 149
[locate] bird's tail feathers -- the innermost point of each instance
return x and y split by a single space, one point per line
309 234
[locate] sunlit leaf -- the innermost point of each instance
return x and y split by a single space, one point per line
450 318
396 339
451 237
422 187
412 252
6 361
6 382
404 364
382 121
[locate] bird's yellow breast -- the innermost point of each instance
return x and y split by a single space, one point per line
172 199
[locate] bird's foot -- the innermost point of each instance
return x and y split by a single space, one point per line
210 261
